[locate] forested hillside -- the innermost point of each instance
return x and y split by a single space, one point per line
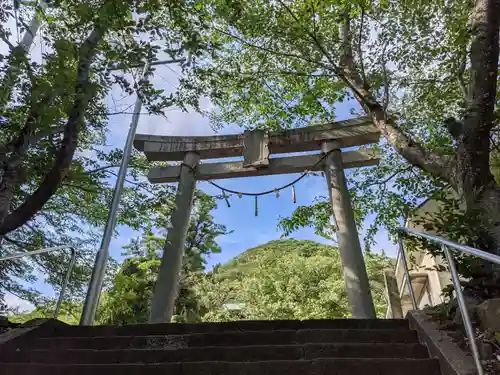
285 279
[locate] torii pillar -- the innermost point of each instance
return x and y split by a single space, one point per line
167 284
353 263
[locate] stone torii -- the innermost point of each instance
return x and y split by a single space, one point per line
256 147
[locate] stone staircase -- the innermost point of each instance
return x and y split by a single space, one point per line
316 347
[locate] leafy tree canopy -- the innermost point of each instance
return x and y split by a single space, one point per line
56 172
424 72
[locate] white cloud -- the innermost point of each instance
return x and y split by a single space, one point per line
16 302
177 123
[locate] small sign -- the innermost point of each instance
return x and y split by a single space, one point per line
256 149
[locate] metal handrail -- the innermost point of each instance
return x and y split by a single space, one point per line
445 245
406 270
68 272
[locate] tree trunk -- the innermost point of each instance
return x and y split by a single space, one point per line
474 180
486 206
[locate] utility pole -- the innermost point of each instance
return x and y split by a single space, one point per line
101 260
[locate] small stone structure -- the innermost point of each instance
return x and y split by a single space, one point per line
488 314
426 278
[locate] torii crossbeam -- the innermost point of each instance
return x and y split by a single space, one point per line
256 147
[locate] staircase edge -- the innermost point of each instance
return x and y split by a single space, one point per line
452 359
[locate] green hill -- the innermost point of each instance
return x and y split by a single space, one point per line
286 279
270 253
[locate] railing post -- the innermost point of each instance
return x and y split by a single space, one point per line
445 245
65 283
407 273
48 250
469 330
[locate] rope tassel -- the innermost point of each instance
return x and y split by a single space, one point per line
294 195
256 206
225 198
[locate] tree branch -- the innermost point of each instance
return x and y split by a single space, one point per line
266 49
286 73
346 46
101 168
65 154
79 187
126 113
412 151
20 244
385 78
283 101
494 144
360 51
26 136
6 40
313 16
138 184
12 165
384 181
484 52
16 59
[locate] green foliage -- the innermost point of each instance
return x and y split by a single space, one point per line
69 313
276 65
75 217
263 64
450 220
286 279
318 216
128 300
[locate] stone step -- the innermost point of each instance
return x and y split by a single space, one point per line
247 338
357 366
218 353
268 325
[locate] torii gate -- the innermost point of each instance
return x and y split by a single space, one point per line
255 147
